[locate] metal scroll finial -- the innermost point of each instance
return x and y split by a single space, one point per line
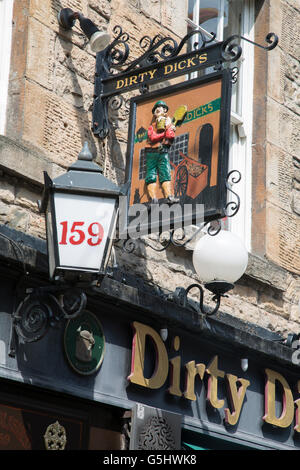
232 51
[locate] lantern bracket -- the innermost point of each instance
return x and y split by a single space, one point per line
45 307
218 288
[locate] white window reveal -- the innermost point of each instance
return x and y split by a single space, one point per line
225 18
6 13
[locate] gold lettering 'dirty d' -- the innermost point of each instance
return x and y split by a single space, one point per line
192 371
287 414
138 357
236 387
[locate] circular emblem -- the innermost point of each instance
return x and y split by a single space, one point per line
84 343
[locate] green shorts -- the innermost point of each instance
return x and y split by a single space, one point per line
157 163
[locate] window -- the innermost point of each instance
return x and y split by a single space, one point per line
225 18
179 146
142 166
6 9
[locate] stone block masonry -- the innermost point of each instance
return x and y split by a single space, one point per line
283 142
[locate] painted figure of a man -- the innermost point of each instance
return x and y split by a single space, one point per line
161 134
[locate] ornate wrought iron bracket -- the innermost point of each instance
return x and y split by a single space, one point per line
213 227
116 74
233 50
218 288
44 307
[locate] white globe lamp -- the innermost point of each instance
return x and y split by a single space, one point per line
220 260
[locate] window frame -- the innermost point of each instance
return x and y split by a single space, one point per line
6 23
240 155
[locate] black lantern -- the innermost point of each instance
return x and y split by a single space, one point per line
81 208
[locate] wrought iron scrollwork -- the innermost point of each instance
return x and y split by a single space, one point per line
233 207
218 288
118 51
214 227
129 245
32 319
45 307
201 308
198 45
116 102
234 74
232 51
166 239
116 73
154 49
161 48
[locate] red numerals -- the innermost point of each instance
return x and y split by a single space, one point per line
80 236
95 230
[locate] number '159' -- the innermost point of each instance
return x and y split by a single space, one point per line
76 235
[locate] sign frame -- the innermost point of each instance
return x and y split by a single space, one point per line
223 79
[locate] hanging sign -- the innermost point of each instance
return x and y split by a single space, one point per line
177 155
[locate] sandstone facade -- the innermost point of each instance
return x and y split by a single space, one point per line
50 95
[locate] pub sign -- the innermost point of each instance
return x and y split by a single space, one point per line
182 160
178 148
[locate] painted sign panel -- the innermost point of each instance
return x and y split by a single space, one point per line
178 146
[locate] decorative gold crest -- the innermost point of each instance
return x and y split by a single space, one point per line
55 437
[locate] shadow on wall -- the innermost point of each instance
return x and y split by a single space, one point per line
81 108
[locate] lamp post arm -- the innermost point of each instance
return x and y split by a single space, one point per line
216 298
180 296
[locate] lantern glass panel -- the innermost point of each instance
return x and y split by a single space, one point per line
83 228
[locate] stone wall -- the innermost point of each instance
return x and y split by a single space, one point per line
49 118
283 139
